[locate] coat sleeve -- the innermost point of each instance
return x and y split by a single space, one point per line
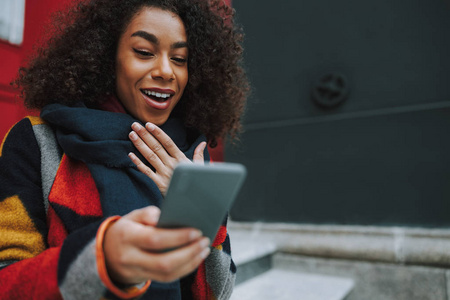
215 277
33 264
27 268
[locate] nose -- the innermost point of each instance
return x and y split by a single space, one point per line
162 69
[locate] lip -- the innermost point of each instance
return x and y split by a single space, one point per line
158 90
156 104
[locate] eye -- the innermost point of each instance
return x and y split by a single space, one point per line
143 52
179 60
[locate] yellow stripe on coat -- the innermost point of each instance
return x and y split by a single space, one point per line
19 238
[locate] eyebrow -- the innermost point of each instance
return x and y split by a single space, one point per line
148 36
178 45
154 40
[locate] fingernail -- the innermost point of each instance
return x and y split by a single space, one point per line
205 253
204 242
135 125
195 234
150 126
133 136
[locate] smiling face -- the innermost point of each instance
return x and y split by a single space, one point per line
151 65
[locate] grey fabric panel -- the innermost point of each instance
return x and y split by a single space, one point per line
218 274
51 155
82 280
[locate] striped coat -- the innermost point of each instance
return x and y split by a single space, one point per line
50 214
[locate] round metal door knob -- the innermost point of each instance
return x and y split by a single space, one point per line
331 90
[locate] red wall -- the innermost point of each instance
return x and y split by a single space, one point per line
37 13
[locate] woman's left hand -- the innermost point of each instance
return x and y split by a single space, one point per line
161 152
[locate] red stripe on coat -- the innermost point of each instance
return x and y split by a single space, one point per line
200 288
73 186
19 280
57 231
220 236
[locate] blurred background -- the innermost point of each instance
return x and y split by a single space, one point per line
345 142
349 114
21 25
347 149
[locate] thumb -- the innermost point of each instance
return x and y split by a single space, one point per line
198 153
146 216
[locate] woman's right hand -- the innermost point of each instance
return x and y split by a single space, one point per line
161 152
134 247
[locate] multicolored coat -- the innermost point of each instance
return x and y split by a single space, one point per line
50 215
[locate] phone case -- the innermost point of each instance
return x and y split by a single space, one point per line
199 196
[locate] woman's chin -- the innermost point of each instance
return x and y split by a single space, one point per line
158 121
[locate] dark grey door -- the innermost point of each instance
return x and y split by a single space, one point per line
349 119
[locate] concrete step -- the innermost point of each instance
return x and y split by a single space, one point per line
251 256
279 284
260 278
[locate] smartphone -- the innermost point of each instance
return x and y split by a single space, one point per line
200 196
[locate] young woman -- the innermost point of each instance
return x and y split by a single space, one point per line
127 89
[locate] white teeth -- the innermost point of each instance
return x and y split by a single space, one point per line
159 95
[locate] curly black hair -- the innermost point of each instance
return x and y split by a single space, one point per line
77 61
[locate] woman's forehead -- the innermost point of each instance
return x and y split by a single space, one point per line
156 20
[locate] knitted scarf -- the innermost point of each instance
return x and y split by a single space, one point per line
100 139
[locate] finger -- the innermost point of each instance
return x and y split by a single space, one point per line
168 266
158 239
174 264
191 265
165 141
151 142
147 216
198 153
144 169
144 149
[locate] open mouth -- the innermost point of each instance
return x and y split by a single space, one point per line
157 96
